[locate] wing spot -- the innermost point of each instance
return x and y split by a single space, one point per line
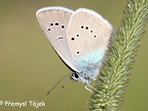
78 35
72 38
101 36
95 36
78 52
85 40
51 24
60 38
49 29
91 31
63 26
82 26
86 27
56 24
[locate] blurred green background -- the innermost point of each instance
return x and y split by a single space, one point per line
29 67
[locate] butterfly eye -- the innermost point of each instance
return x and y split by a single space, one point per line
75 76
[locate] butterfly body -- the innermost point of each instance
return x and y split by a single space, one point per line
79 37
88 73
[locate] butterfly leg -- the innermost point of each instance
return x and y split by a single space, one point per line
91 87
94 79
63 87
99 82
88 89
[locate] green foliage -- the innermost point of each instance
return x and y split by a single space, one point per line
116 70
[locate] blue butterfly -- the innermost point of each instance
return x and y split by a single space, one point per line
79 37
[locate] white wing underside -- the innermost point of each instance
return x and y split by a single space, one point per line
88 37
80 38
54 24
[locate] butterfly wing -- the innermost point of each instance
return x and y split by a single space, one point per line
54 22
88 37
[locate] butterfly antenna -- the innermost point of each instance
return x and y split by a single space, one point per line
63 87
56 84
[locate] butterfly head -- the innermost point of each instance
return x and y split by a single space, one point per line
75 76
79 76
86 73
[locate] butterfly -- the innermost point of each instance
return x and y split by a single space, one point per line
80 38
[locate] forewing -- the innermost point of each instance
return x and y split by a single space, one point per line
54 22
88 37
